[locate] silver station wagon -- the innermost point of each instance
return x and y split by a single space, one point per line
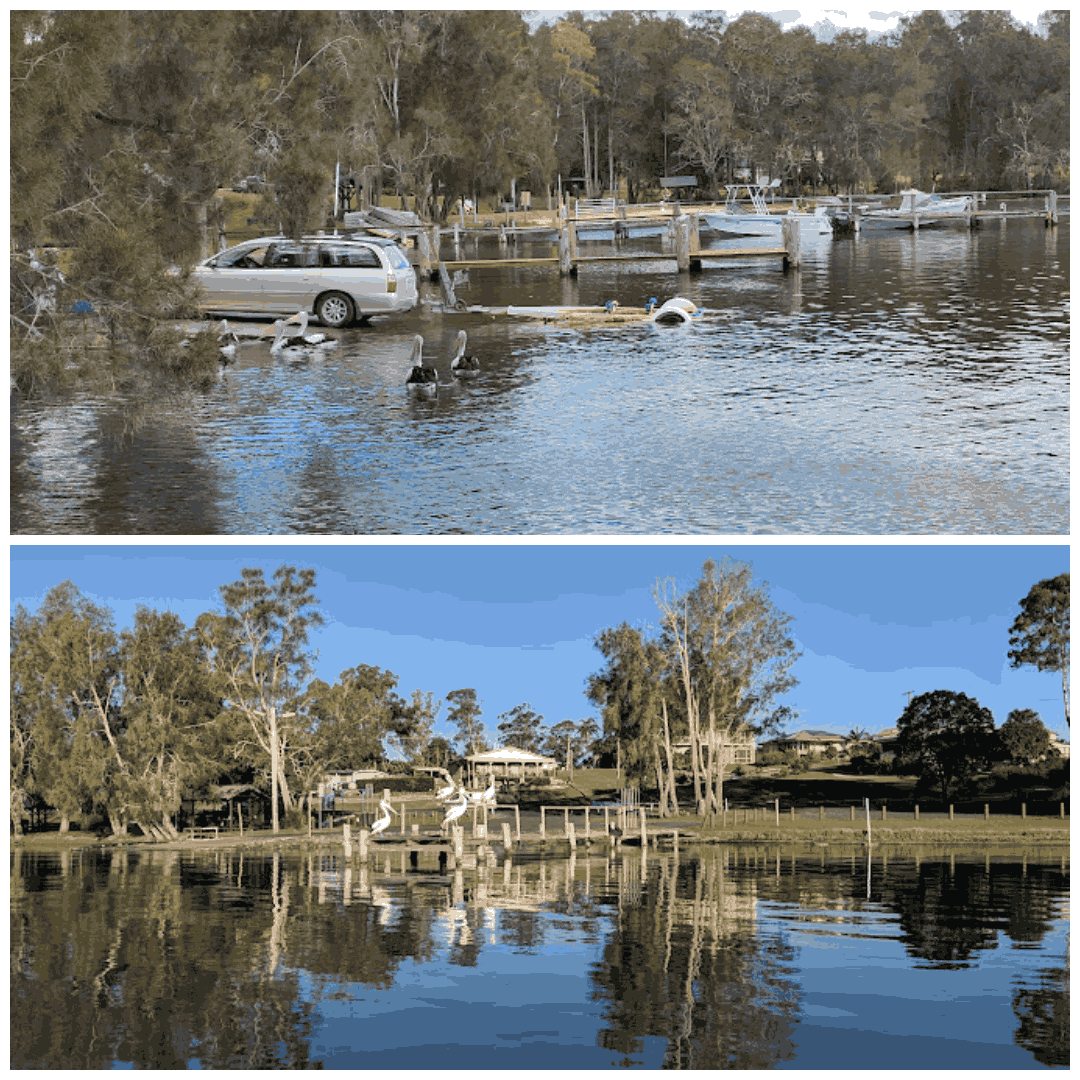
337 278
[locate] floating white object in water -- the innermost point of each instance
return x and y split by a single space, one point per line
677 310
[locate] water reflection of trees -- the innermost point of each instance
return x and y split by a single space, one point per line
687 963
158 958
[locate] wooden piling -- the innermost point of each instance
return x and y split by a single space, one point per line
777 801
1023 809
571 835
986 811
950 811
362 844
542 811
791 233
682 244
517 821
644 834
916 811
506 835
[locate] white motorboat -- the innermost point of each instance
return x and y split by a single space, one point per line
759 220
899 211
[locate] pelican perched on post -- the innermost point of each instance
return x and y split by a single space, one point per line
421 379
488 797
227 341
463 365
445 793
383 820
455 811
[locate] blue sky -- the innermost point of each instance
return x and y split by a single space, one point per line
516 621
875 19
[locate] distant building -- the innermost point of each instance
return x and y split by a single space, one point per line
738 746
1059 744
510 761
804 742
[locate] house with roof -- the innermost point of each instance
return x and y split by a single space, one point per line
510 761
804 742
737 746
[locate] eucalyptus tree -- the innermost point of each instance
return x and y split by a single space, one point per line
733 655
170 743
258 650
1039 635
465 715
703 118
632 692
350 719
66 667
522 727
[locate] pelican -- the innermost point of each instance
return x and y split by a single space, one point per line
291 346
489 795
455 811
445 793
422 379
383 820
463 365
227 342
324 340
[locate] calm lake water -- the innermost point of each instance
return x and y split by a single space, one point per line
726 957
895 384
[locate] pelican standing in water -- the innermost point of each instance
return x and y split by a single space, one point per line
455 811
380 823
421 379
463 365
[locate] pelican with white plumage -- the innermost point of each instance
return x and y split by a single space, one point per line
228 342
324 341
463 366
381 822
445 793
422 378
286 345
455 811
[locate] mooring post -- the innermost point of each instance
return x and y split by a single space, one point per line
566 266
566 820
644 834
448 294
459 840
586 824
401 818
1051 209
506 835
517 821
986 811
542 811
361 846
571 835
682 244
791 232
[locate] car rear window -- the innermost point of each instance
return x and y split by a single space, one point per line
397 258
348 255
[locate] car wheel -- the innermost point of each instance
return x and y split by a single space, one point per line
335 309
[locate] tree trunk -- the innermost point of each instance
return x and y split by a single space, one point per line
117 823
168 827
585 149
661 787
275 767
65 823
670 759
